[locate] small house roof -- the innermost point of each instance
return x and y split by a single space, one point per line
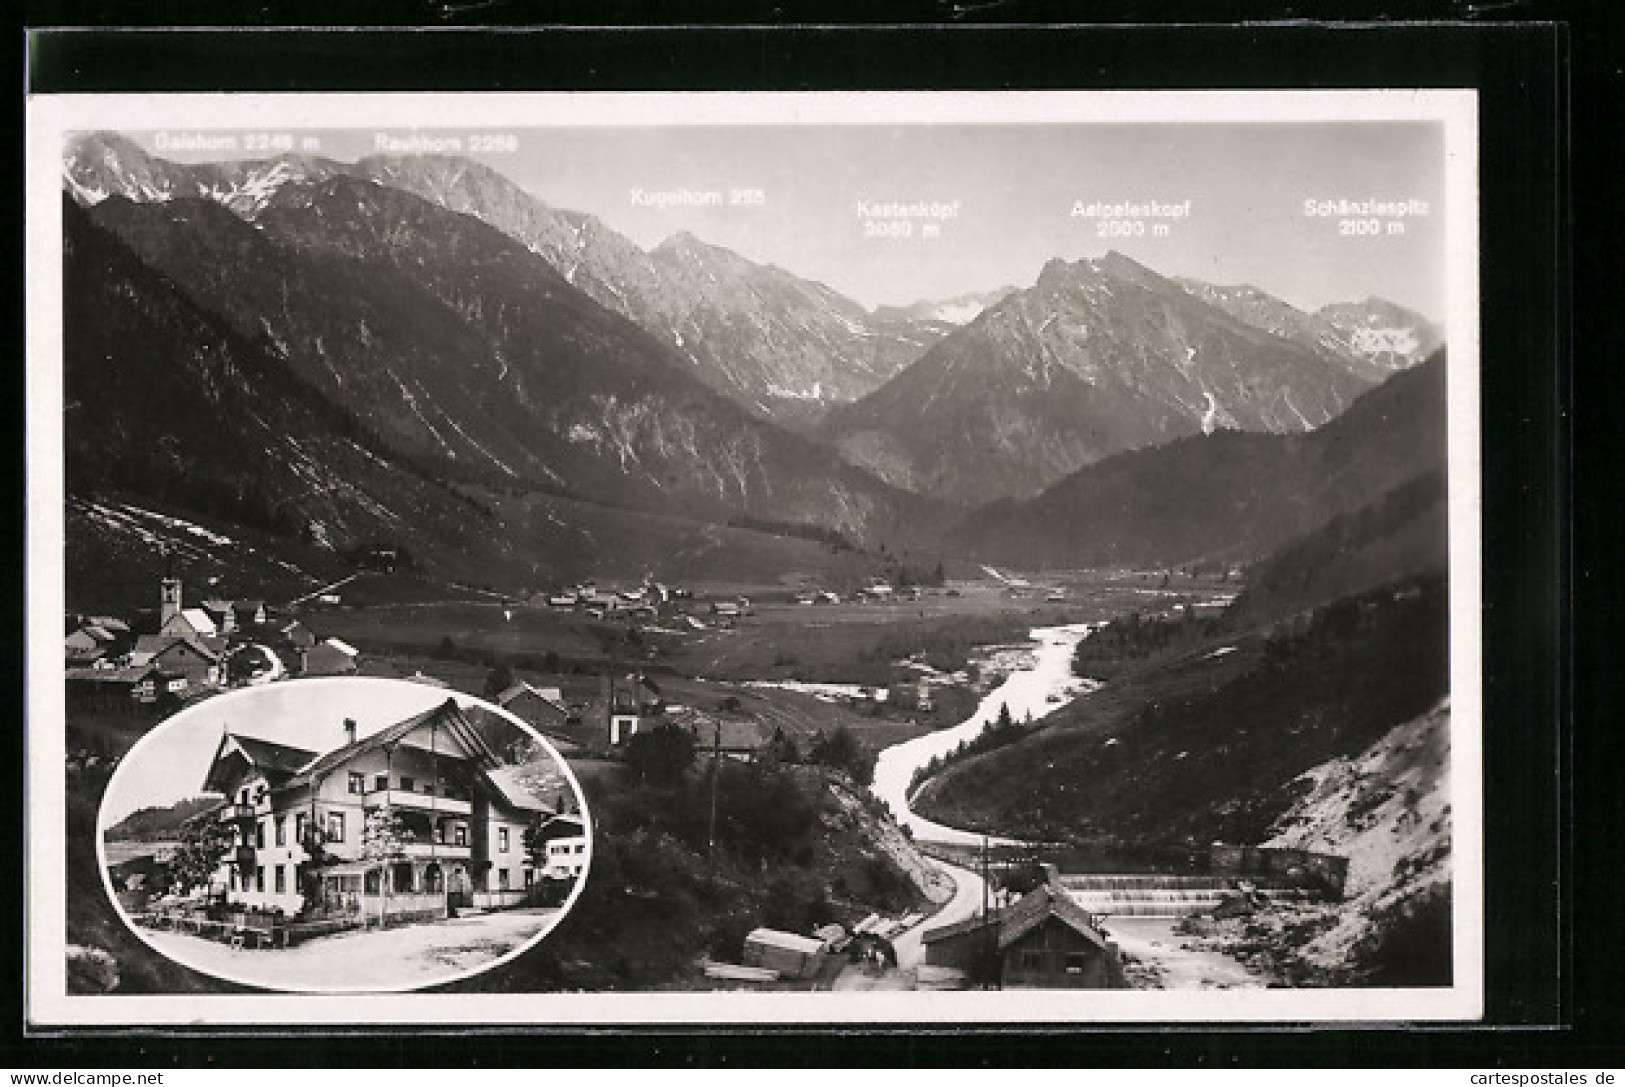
1028 913
785 941
553 696
343 647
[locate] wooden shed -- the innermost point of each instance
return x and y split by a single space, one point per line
791 955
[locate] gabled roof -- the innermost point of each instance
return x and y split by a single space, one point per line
551 696
1016 921
199 620
343 647
448 715
152 645
278 762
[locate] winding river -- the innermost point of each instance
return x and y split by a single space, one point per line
1026 690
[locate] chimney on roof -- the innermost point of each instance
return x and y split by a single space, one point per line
349 731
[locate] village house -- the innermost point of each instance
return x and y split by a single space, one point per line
198 659
88 644
740 740
414 821
328 658
542 708
1043 941
564 839
634 704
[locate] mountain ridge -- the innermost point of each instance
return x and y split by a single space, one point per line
1097 357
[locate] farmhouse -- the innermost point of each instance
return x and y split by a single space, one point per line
1043 941
415 820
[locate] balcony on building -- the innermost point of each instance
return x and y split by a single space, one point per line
237 813
443 851
414 801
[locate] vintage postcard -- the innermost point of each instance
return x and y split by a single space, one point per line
568 559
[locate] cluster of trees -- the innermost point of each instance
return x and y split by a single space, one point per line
1003 732
798 529
840 750
1135 637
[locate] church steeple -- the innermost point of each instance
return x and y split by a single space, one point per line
169 590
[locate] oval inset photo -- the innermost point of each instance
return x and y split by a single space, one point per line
343 835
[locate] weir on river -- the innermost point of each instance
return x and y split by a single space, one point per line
1163 895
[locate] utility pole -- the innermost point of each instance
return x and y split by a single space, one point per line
716 769
987 928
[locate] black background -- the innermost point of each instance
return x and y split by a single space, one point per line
1552 817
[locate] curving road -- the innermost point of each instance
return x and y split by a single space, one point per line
966 902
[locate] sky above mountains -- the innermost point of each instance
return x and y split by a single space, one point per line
983 206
